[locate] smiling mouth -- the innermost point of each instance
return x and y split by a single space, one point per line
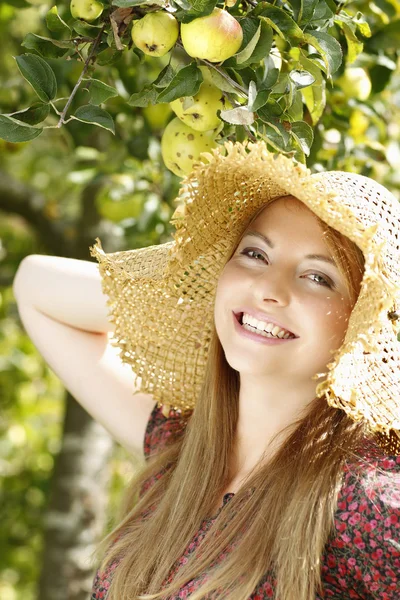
239 318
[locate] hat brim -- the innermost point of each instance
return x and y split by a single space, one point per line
161 297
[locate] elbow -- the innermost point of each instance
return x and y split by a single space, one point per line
18 281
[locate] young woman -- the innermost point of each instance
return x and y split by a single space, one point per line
259 482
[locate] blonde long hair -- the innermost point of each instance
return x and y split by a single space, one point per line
279 521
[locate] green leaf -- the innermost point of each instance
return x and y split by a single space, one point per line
328 47
185 83
303 134
46 47
86 29
39 74
303 10
147 96
12 130
33 115
96 116
55 23
259 46
245 54
324 10
314 96
99 91
128 3
301 79
281 22
221 82
198 8
165 77
296 111
108 56
354 46
261 99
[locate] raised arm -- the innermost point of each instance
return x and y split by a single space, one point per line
64 312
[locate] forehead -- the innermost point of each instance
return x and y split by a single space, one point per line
284 211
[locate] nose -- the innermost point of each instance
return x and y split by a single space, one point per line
272 285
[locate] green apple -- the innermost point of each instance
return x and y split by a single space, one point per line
216 37
181 146
157 115
156 33
200 111
88 10
355 83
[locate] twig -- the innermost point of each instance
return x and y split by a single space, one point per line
81 76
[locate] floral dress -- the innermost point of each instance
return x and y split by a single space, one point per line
361 559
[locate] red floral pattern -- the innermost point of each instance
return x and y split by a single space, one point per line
362 558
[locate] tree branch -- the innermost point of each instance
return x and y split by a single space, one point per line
81 76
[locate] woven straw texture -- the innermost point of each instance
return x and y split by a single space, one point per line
161 298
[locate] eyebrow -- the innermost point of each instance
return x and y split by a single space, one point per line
266 239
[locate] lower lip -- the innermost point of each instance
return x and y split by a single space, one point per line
256 337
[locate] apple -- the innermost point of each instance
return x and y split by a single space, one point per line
157 115
355 83
181 146
88 10
200 111
216 37
156 33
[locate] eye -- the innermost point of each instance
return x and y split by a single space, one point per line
247 250
323 280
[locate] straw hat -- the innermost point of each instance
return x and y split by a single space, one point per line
161 298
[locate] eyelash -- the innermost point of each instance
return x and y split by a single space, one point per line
247 250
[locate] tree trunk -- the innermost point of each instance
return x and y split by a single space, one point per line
76 512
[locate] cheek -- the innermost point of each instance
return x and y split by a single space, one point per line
335 318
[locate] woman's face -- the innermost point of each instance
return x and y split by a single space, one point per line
306 295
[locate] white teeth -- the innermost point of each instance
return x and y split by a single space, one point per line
261 326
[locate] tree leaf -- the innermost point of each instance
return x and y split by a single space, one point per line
328 47
238 116
13 130
314 96
165 77
86 29
147 96
33 115
96 116
354 46
99 91
185 83
260 46
281 22
198 8
46 47
245 54
261 99
221 83
108 56
303 134
303 10
128 3
39 74
55 23
301 79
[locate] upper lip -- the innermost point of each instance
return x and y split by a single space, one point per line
262 316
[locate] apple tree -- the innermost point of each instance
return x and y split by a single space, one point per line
235 70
